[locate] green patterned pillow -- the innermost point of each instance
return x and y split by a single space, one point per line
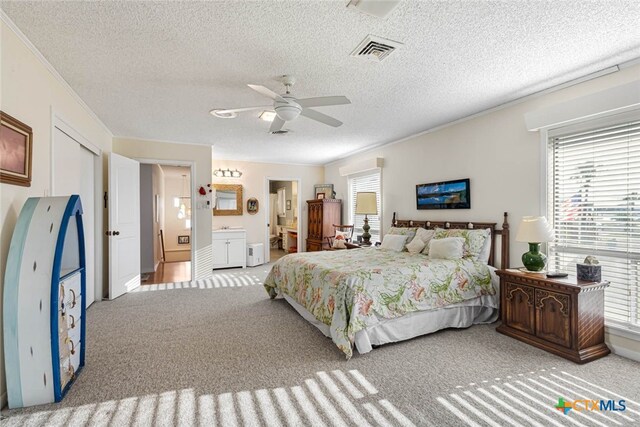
473 239
410 232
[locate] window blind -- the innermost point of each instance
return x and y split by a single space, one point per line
594 202
365 182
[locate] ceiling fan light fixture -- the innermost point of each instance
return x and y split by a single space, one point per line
267 116
288 112
223 114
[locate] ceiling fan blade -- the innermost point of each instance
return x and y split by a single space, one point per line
276 125
238 110
322 118
322 101
268 93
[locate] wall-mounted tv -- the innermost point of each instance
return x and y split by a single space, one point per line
444 195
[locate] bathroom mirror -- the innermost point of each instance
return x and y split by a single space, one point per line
228 199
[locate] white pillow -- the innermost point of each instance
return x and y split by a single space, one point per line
394 242
416 245
447 248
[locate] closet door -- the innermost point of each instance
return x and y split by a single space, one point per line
73 173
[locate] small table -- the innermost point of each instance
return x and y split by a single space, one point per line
563 316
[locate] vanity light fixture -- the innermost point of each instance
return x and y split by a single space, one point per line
267 116
227 173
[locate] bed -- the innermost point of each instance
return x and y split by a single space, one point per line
372 296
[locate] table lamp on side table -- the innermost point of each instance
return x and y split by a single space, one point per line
366 204
534 230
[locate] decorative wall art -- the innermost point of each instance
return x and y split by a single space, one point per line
253 206
16 140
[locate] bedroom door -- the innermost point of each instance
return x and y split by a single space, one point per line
124 225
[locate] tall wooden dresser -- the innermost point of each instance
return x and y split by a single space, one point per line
323 214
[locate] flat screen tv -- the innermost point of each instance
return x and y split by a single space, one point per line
444 195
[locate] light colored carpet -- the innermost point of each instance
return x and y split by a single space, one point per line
219 352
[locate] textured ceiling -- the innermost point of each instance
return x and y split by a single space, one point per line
153 70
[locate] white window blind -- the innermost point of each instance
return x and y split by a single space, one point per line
365 182
594 202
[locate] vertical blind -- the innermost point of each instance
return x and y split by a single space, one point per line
594 201
365 182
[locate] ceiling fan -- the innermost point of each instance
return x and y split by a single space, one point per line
288 107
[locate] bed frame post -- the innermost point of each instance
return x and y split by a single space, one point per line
393 221
504 252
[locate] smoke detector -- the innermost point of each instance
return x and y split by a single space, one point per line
375 48
377 8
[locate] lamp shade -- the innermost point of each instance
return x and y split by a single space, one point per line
366 203
534 229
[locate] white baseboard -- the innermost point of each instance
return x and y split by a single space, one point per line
624 352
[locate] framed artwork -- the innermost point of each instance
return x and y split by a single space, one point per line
319 195
326 189
288 205
183 240
253 206
16 140
444 195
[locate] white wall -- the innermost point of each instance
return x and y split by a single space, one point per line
253 185
200 155
157 188
30 91
495 150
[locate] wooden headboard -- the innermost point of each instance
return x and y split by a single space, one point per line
503 233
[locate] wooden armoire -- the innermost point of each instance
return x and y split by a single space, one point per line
323 214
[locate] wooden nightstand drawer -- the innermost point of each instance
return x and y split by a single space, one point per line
562 316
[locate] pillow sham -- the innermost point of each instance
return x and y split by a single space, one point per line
473 239
410 232
426 236
394 242
486 249
446 248
415 246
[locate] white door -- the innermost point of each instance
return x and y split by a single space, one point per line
73 173
124 225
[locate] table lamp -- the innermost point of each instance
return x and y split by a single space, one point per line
534 230
366 204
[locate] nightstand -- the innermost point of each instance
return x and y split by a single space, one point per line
563 316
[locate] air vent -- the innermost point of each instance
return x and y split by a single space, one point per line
280 132
375 48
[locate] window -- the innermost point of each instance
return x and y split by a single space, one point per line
594 202
369 181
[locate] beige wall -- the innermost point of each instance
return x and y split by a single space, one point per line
30 92
495 150
200 156
253 183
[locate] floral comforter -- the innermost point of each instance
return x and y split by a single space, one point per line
352 289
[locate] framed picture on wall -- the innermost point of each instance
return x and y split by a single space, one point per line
183 240
326 189
320 196
16 140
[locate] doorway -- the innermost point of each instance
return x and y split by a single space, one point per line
166 219
283 212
